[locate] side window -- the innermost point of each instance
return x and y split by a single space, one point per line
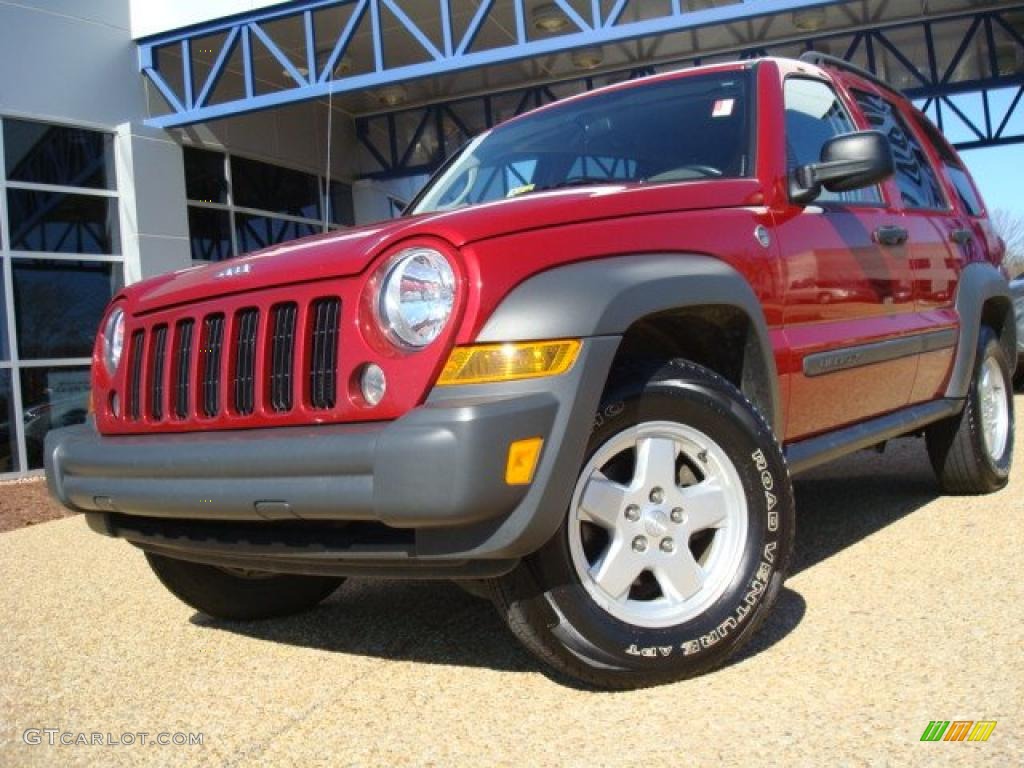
954 166
915 178
814 115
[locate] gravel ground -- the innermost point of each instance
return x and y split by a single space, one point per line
902 609
27 502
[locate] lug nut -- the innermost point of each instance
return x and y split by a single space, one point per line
668 546
677 515
640 544
657 496
632 513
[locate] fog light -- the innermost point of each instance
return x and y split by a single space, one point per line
372 384
115 405
522 460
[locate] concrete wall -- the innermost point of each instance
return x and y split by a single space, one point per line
150 17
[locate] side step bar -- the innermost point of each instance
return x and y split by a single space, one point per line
815 451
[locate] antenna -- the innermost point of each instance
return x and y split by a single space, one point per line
327 170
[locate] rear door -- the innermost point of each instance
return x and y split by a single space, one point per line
848 283
939 237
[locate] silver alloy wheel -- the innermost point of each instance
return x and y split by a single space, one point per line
650 550
995 408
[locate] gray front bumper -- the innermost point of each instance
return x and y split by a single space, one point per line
439 470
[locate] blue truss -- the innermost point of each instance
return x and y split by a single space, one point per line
453 52
934 88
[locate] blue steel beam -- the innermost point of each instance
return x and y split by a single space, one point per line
934 88
453 56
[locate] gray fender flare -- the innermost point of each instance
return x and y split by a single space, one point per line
604 297
980 282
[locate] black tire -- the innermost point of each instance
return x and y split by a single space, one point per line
240 596
546 605
1018 375
956 446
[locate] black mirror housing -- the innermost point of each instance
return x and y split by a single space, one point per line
851 161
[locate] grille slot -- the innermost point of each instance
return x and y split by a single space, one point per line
158 355
213 343
135 390
282 356
323 368
182 365
244 384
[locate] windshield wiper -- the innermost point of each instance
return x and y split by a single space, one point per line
580 181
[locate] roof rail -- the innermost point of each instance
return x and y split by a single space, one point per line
824 60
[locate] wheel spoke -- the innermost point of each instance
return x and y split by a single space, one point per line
681 578
617 569
705 505
656 461
603 501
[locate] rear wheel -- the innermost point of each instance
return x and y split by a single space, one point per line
675 544
971 452
238 594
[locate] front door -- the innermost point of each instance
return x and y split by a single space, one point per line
849 302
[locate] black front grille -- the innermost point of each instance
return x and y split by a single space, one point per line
282 356
323 366
182 368
156 381
244 384
213 342
135 390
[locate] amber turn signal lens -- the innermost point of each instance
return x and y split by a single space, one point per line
489 363
522 460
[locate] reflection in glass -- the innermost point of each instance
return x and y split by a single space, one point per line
204 176
8 440
255 232
209 233
58 305
51 398
342 206
272 188
52 154
56 222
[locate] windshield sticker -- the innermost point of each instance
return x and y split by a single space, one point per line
723 108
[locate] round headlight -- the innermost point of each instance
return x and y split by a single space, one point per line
417 296
113 340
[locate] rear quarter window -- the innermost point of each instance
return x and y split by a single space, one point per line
953 165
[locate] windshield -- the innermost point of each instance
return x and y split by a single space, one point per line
683 129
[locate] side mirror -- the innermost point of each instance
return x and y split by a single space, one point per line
850 161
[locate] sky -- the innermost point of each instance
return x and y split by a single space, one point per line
997 171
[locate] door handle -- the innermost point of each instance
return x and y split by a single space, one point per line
889 235
961 236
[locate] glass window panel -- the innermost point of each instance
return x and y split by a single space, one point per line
58 305
51 398
8 439
5 347
814 115
209 233
272 188
53 154
255 232
204 176
342 207
62 223
918 184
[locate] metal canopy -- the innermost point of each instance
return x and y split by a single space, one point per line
965 71
326 47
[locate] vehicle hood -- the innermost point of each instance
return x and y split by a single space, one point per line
352 251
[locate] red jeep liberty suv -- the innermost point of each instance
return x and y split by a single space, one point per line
576 376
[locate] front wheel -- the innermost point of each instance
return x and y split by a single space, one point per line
675 544
237 594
